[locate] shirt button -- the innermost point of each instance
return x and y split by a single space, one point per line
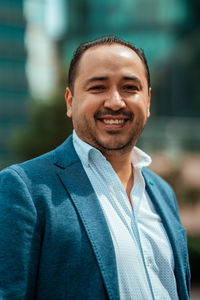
148 262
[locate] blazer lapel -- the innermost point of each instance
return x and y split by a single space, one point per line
77 184
164 205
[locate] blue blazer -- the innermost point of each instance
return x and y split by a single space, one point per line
54 240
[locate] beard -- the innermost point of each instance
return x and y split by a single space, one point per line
121 146
115 142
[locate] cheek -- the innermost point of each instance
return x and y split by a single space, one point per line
81 110
87 106
139 104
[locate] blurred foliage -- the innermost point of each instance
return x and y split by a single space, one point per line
47 128
194 255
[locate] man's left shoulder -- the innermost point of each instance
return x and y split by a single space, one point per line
154 179
160 190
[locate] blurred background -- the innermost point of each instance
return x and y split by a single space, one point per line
37 40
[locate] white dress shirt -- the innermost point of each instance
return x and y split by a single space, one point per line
144 257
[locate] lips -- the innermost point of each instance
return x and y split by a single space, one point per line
112 123
111 120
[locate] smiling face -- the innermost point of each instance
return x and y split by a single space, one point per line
110 103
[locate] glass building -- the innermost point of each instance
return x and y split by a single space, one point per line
169 33
13 84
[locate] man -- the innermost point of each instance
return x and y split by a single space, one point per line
88 220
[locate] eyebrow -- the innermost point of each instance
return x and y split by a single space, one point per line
92 79
104 78
133 78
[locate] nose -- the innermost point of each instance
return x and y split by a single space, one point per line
114 101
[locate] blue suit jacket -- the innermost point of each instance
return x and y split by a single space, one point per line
54 240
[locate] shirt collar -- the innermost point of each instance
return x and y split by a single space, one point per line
83 149
139 158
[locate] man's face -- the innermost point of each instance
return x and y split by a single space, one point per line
111 99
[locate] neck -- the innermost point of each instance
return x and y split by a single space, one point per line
121 163
123 167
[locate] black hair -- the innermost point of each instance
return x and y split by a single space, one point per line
105 40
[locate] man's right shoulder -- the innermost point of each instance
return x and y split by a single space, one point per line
27 174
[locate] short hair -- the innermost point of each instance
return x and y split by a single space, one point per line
105 40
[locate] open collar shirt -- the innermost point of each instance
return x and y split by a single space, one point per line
144 257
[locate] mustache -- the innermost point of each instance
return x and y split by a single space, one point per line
111 112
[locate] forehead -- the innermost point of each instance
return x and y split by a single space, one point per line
105 58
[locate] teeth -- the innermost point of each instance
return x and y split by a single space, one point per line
113 121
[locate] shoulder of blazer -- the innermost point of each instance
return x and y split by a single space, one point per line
152 177
39 175
157 186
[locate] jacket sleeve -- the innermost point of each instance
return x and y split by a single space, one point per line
19 238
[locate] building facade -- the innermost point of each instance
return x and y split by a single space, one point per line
13 84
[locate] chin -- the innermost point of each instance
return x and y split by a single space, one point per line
116 145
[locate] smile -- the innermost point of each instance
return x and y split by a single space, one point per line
113 121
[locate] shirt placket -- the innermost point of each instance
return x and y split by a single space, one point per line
136 197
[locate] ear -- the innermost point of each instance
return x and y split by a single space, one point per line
68 99
149 103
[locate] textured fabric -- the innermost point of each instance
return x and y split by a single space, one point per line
54 240
143 252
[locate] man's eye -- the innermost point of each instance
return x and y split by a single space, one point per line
97 88
130 88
